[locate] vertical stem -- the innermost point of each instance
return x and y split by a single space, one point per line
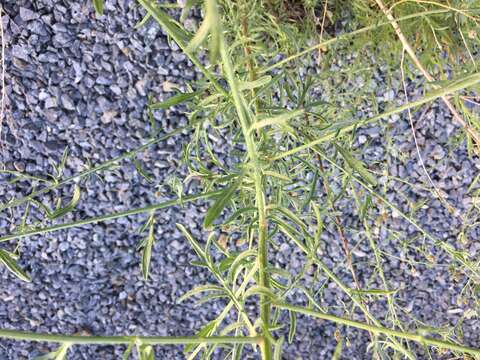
252 76
259 198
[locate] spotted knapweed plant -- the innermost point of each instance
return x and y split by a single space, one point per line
286 87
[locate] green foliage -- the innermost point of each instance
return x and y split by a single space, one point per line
98 5
8 260
292 157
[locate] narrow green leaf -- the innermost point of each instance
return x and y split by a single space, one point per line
226 263
61 166
231 328
207 330
313 189
59 354
293 326
196 246
147 353
142 22
237 352
98 5
319 228
338 351
141 171
147 250
276 120
200 289
239 212
377 292
173 100
250 85
239 260
365 206
259 290
7 259
128 351
173 29
210 297
279 272
277 175
291 232
210 25
200 36
357 166
216 209
277 351
69 207
291 216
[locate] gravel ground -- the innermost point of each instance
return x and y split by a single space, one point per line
83 82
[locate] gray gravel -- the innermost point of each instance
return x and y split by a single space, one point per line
82 82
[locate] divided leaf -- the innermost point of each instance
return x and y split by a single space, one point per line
209 26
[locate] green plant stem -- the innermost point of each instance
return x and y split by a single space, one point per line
259 198
99 167
115 340
380 330
330 274
109 217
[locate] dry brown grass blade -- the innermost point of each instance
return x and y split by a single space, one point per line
322 28
408 48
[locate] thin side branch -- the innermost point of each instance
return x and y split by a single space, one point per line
108 217
102 166
116 340
381 330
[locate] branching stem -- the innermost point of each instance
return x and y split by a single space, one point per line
380 330
108 217
116 340
259 196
